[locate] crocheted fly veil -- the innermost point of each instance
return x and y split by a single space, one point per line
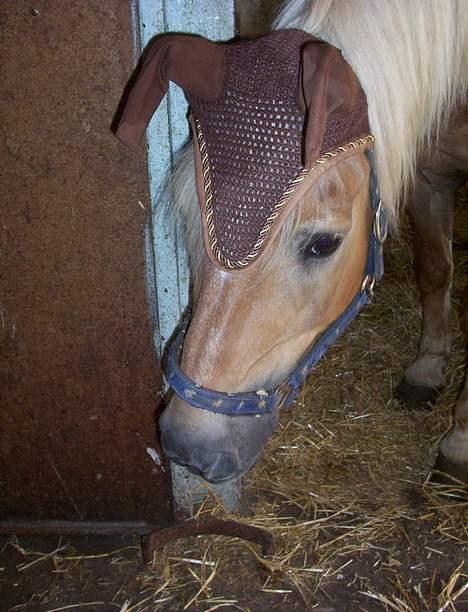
265 113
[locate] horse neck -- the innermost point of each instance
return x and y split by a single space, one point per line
411 60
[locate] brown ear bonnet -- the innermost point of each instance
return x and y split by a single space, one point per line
264 112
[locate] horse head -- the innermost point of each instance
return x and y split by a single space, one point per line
284 258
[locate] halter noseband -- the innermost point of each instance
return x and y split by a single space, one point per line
263 401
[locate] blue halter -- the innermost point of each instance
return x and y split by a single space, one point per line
264 401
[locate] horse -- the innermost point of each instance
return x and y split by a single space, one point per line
251 326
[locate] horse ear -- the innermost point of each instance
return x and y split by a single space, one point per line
194 63
328 89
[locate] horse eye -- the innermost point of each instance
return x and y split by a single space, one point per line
321 246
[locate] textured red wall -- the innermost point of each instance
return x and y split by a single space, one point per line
78 378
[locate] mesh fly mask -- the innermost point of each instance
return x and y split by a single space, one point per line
265 113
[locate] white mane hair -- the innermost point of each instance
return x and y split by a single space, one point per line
411 58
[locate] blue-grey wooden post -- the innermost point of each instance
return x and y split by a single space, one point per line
166 262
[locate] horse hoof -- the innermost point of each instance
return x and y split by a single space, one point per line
451 474
416 395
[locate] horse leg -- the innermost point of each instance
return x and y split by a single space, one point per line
453 456
431 212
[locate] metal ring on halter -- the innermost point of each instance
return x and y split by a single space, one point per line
380 223
368 284
286 393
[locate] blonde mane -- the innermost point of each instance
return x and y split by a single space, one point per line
411 58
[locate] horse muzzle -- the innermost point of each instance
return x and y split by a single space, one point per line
213 446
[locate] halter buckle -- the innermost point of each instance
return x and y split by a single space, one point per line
285 393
